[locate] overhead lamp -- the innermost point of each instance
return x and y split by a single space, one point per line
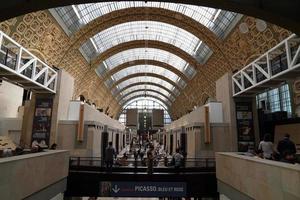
261 25
243 27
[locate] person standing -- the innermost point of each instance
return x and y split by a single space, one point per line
286 145
178 159
266 146
150 158
135 154
110 153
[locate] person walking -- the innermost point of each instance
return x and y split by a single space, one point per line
178 159
150 158
110 153
286 145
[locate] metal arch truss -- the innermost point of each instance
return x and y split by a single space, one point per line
151 96
19 66
272 68
141 90
118 95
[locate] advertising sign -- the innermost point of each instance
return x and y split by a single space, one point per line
143 189
42 121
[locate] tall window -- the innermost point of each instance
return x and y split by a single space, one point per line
277 99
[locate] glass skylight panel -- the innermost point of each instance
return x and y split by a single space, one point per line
202 53
146 69
145 102
77 16
145 95
69 17
148 79
148 54
109 82
172 97
145 88
143 30
115 91
189 71
181 83
223 22
133 95
89 49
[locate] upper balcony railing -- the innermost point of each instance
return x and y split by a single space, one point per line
20 66
277 64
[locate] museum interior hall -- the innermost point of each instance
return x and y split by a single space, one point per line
158 100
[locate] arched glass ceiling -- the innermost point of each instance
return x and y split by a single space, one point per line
142 93
143 30
146 69
146 54
76 16
145 103
146 87
145 79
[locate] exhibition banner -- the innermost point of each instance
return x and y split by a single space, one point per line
244 120
42 121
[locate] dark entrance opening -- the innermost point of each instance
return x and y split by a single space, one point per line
171 144
104 143
183 142
117 143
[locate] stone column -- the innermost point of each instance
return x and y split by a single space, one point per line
224 95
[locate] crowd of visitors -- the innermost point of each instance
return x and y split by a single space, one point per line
146 154
284 152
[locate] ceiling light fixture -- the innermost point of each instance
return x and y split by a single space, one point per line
261 25
243 27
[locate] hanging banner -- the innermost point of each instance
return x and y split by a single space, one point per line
244 119
42 121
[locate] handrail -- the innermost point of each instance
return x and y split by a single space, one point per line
204 162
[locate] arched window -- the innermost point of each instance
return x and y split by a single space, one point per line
145 103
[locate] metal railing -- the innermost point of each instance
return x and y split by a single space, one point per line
204 162
277 61
17 60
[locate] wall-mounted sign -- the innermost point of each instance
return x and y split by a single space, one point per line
42 121
143 189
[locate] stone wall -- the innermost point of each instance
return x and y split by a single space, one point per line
42 35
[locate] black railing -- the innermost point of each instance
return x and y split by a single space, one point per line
203 162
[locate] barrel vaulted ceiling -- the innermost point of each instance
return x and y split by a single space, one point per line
145 48
121 51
